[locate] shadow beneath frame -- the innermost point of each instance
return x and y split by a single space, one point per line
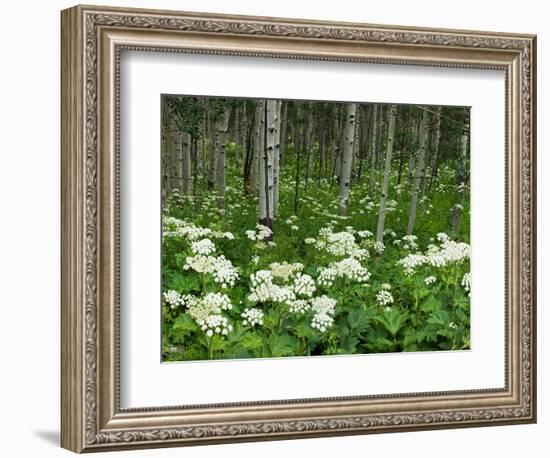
52 437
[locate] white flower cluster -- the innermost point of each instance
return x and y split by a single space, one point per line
384 297
341 243
285 270
252 317
173 227
430 280
207 313
379 247
410 242
220 267
204 247
449 252
467 282
298 306
215 324
264 290
261 233
323 309
303 285
364 234
349 268
175 299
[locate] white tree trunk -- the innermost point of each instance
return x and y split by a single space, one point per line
257 145
373 147
186 162
420 170
435 145
174 157
349 137
277 158
265 207
221 151
212 170
387 171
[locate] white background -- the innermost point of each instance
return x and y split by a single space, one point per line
29 246
145 76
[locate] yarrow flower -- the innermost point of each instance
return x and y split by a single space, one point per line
298 306
285 270
261 233
204 247
207 313
264 290
252 317
429 280
175 299
379 247
220 267
349 268
449 252
384 297
303 285
323 309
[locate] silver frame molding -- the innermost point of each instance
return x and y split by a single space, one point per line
92 40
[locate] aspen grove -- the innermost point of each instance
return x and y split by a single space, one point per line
303 228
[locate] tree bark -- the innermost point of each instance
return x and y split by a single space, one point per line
349 137
436 136
284 132
186 162
373 147
221 150
258 143
420 170
277 158
212 166
265 205
387 171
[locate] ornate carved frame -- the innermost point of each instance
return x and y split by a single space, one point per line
92 39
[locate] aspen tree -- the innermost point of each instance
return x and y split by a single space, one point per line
349 137
221 150
265 204
373 147
387 170
420 170
277 157
186 162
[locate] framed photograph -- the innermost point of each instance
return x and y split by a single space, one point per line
278 228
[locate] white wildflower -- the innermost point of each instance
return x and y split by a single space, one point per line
252 317
303 285
429 280
204 247
384 297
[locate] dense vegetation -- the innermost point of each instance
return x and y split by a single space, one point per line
313 228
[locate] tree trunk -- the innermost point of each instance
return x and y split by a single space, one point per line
265 205
309 144
186 162
435 147
284 132
196 148
373 147
387 171
212 166
258 144
420 169
276 158
238 134
221 150
349 137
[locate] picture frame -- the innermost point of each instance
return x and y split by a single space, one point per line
93 39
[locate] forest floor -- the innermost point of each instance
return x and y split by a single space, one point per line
322 285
